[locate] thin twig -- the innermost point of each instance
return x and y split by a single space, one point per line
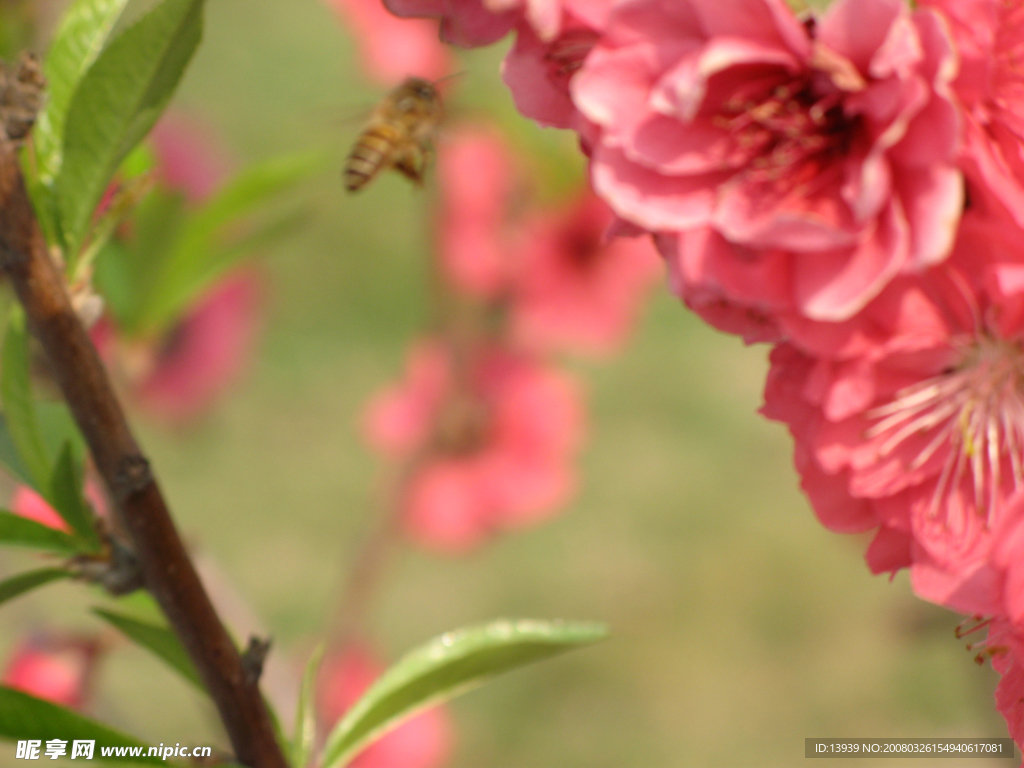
372 555
169 574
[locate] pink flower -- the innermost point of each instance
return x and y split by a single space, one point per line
910 418
471 23
541 64
187 158
425 741
29 504
1006 564
567 284
56 669
490 436
1010 695
735 288
834 141
201 356
475 171
989 35
392 49
1004 647
180 377
575 288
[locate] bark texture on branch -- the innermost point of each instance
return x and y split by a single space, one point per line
143 514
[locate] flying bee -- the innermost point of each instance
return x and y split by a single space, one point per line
399 135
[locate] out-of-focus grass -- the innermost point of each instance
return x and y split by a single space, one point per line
740 626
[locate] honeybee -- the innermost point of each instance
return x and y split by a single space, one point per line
399 135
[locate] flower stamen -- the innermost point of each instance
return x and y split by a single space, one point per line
975 410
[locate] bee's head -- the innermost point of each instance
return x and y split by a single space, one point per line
416 95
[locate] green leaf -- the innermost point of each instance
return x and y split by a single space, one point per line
206 248
19 410
66 497
305 715
25 717
81 36
19 531
116 103
57 428
9 454
446 667
25 582
156 639
126 272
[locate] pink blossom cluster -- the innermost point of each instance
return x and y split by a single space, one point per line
486 425
849 187
55 667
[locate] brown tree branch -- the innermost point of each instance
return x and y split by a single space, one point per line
168 572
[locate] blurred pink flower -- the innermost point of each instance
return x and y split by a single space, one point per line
465 23
180 377
187 156
391 48
205 352
475 171
577 288
29 504
425 741
491 439
834 140
568 283
52 668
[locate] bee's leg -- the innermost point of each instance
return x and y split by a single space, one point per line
410 164
414 161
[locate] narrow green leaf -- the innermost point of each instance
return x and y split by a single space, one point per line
24 717
305 716
26 582
57 428
81 36
19 531
156 639
204 248
9 454
66 497
19 410
126 272
446 667
116 103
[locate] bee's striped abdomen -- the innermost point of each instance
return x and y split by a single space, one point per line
372 152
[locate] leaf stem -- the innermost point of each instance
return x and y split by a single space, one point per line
139 504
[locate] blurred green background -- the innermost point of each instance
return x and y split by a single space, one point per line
740 625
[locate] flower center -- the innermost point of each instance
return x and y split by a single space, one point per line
565 55
787 130
973 413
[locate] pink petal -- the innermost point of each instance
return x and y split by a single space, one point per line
834 286
856 29
650 199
